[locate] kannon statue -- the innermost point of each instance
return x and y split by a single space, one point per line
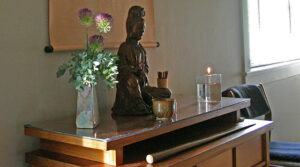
134 95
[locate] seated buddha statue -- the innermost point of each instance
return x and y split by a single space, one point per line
134 95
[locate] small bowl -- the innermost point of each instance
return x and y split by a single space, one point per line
164 108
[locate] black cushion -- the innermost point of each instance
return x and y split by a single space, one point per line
258 106
287 151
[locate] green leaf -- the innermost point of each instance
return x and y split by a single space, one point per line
77 85
82 64
78 78
105 71
71 80
60 73
61 70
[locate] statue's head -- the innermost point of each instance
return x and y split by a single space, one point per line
136 11
135 24
137 28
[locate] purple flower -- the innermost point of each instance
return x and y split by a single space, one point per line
96 39
86 16
104 17
96 43
103 22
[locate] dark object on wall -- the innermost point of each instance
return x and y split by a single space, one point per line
134 95
48 49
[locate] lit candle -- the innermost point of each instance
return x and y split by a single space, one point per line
209 87
208 69
209 76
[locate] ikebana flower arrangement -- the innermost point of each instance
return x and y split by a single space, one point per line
86 66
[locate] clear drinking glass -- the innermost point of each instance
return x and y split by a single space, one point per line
209 88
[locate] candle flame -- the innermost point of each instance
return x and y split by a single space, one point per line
209 69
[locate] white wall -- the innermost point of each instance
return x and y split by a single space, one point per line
28 85
284 98
193 34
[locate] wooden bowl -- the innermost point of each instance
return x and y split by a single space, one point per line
164 108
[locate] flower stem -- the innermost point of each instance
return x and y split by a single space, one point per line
101 43
87 38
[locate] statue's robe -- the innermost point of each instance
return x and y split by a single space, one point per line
134 95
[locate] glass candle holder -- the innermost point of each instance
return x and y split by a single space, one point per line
209 88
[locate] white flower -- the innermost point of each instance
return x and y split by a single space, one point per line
96 63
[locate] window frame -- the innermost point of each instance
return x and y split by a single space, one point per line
268 73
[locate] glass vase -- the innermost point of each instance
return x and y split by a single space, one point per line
87 115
